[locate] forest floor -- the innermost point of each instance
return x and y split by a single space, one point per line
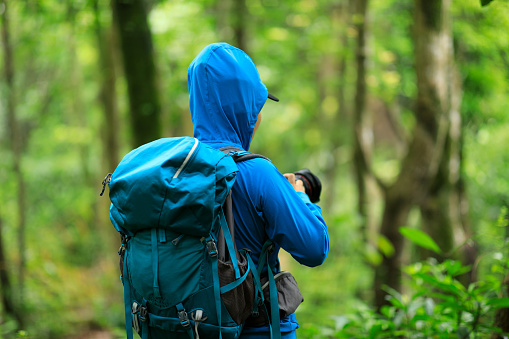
99 334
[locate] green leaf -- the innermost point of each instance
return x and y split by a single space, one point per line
420 238
498 302
373 256
485 2
385 246
375 330
502 220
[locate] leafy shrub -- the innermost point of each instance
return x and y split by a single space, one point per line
438 306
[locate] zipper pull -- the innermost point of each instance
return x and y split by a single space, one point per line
106 181
177 240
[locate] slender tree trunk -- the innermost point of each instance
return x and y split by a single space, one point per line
470 249
240 18
340 15
108 95
437 209
223 29
395 215
110 129
16 146
362 130
5 281
421 164
440 210
131 18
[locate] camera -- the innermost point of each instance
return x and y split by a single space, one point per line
312 185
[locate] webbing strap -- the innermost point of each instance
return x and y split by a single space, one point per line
275 326
155 263
127 300
264 256
274 304
235 283
162 235
256 279
144 322
229 243
217 291
240 155
184 320
144 330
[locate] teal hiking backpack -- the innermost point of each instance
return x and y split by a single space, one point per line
182 273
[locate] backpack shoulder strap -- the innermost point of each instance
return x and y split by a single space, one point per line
240 155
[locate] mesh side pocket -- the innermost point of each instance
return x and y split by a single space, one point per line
239 301
288 294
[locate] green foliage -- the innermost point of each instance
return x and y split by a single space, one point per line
420 238
299 46
439 306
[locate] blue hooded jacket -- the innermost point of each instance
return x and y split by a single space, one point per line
225 97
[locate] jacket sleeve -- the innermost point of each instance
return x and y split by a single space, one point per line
291 220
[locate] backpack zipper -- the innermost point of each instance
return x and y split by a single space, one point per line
177 240
186 160
276 277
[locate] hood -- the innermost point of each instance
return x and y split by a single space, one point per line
225 96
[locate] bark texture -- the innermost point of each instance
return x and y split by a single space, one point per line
16 147
439 215
108 95
340 16
240 19
363 138
131 18
422 162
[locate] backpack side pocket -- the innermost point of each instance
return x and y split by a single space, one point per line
288 294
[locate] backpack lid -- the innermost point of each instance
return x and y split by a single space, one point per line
174 183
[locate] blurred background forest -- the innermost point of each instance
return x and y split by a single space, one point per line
399 106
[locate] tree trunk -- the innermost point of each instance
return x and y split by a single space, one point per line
16 146
440 210
341 15
240 18
5 281
469 251
362 132
130 16
111 127
395 215
223 29
421 164
437 209
108 95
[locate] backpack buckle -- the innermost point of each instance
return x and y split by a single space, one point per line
270 249
184 319
123 244
106 181
135 308
212 248
139 312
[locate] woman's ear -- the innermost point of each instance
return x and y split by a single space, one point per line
257 124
